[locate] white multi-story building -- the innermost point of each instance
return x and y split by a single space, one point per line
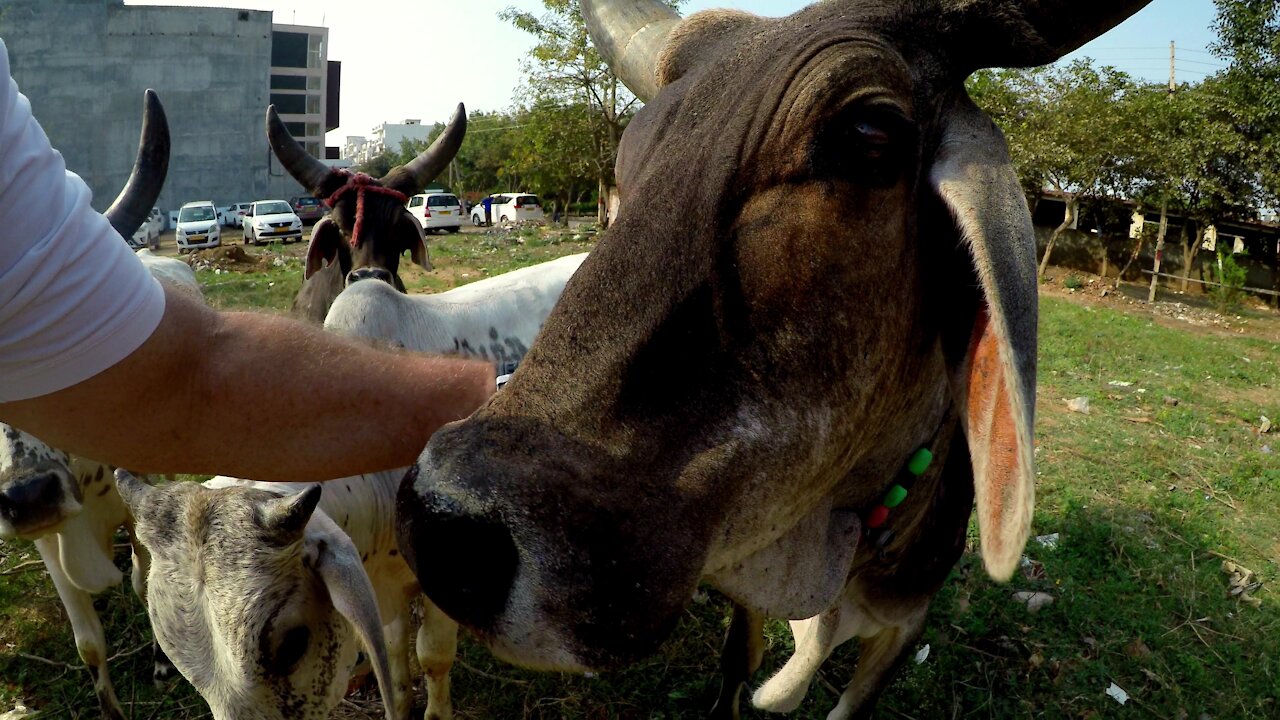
388 137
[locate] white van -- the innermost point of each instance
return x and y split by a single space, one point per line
198 226
437 211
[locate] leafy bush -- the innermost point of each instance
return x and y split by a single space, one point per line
1073 282
1226 297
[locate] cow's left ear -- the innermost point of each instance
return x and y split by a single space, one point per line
994 379
417 241
334 558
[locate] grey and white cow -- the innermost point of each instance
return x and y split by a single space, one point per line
242 577
265 594
68 505
495 318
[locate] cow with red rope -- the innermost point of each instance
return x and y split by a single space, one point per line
367 229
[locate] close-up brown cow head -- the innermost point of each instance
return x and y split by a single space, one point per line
822 253
368 227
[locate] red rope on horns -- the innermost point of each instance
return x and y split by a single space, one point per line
360 183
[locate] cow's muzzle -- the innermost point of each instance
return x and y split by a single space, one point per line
36 502
465 562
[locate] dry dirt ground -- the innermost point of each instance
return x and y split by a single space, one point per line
1189 311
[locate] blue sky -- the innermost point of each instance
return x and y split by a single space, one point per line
418 58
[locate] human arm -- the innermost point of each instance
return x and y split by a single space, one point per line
255 396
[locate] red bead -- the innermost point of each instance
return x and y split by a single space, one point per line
877 517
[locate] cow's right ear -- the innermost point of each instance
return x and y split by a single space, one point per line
326 243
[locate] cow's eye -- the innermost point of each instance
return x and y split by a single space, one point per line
868 144
291 649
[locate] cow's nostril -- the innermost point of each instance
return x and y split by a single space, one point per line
368 273
466 564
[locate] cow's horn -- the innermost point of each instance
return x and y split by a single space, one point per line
414 175
308 171
1019 33
149 169
287 517
631 34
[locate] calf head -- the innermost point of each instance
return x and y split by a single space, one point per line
262 605
821 247
368 227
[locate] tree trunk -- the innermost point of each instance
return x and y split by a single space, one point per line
1164 229
1189 252
1138 242
1067 216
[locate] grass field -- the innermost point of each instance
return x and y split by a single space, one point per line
1166 478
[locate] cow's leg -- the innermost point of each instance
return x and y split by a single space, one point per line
741 656
879 656
815 638
162 670
400 694
437 646
91 643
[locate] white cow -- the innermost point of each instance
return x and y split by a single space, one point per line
171 271
240 599
70 508
495 318
265 600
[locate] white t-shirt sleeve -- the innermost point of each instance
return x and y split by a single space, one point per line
74 299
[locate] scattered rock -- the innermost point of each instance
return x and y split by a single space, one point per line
1033 600
1137 649
18 712
1264 426
1171 401
1080 405
1118 694
1120 383
1048 542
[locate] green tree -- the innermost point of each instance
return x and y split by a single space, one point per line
1065 130
564 69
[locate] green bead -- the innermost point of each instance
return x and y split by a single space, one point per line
919 461
895 496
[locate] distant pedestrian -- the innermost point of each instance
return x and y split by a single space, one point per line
487 203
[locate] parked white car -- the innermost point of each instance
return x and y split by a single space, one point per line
268 220
233 215
437 211
509 208
148 234
197 226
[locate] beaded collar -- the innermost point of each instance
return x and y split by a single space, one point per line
916 466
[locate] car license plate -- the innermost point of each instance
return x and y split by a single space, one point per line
195 238
446 212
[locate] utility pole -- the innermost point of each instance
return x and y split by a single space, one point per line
1164 206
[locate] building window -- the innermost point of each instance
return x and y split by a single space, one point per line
289 49
288 82
296 129
313 82
313 149
313 129
313 104
315 51
289 104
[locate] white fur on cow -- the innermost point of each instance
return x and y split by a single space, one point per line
171 271
495 318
